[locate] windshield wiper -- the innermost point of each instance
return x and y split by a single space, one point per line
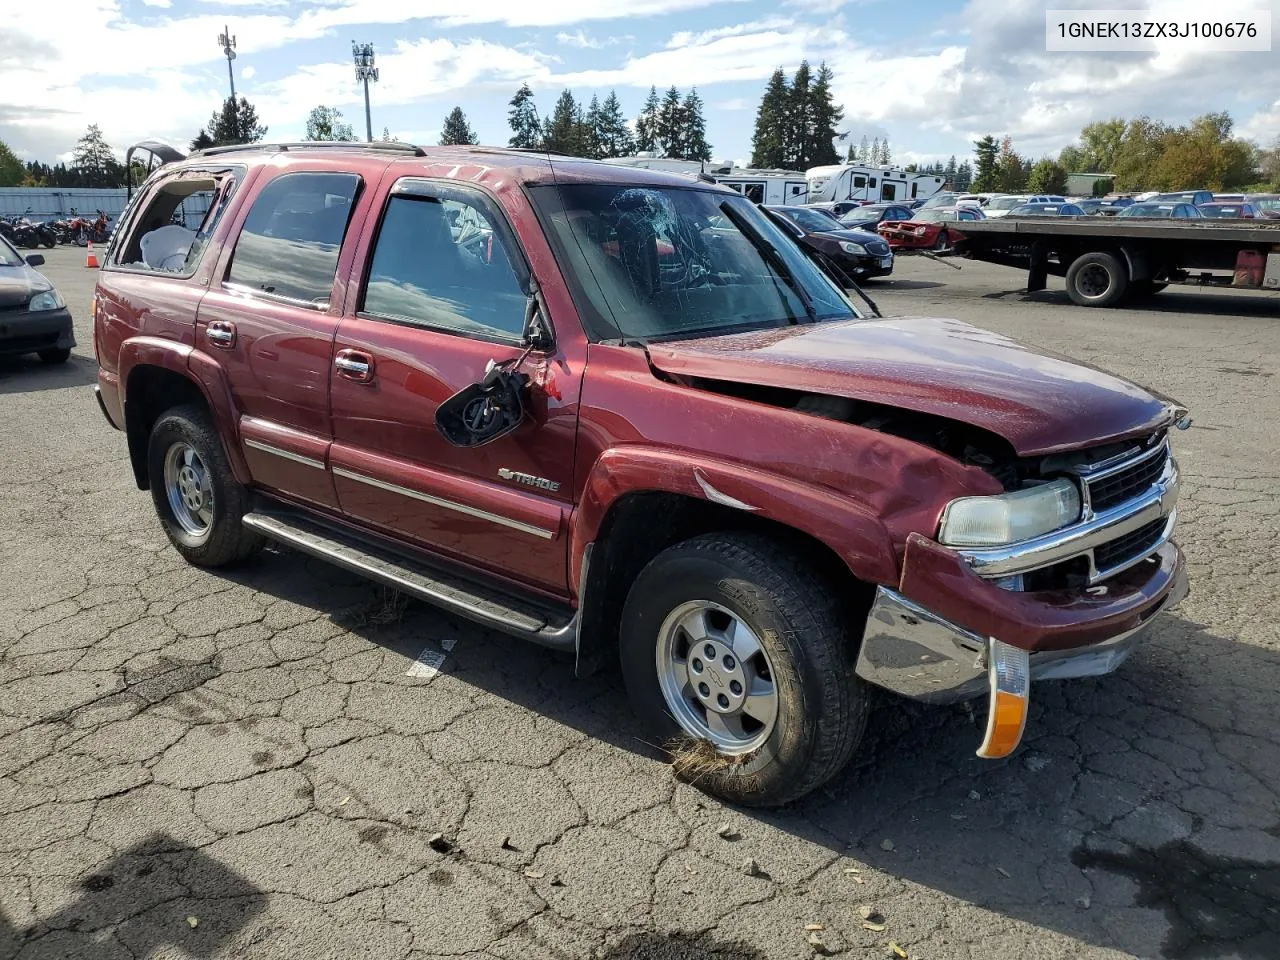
772 257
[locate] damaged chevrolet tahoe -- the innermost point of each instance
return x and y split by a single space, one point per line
619 413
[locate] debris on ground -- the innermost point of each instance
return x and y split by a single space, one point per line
726 831
897 950
193 922
1003 872
814 926
439 843
887 845
974 795
1083 902
868 912
534 874
873 927
750 867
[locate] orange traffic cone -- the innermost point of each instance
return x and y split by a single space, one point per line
91 258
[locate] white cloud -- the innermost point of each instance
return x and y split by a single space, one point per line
249 72
157 3
735 103
687 38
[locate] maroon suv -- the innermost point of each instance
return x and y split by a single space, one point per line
621 414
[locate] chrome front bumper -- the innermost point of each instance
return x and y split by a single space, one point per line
915 653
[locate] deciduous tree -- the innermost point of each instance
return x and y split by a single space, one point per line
12 172
1047 176
325 123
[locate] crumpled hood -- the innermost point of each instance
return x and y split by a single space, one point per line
1040 403
19 284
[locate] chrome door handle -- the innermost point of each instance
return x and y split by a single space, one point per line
354 365
221 334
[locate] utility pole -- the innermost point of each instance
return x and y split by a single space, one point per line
228 44
362 55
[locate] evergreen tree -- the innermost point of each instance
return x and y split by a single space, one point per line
852 156
526 131
669 132
797 130
565 132
591 130
886 158
950 170
647 124
456 130
864 152
611 134
236 122
694 134
202 141
824 118
12 172
964 176
93 161
386 135
325 123
767 144
986 172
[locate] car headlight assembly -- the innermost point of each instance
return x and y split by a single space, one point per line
1010 517
856 249
47 300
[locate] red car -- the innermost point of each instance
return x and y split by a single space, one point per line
637 425
932 228
1229 210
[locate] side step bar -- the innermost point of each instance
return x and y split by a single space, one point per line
548 627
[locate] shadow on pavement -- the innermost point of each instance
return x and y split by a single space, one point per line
134 905
1172 301
27 374
678 946
1072 833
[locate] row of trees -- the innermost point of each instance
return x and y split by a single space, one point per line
1147 154
875 155
959 175
1142 153
796 121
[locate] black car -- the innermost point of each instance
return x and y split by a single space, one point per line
858 253
1103 207
870 216
33 317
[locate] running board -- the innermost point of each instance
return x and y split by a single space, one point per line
545 626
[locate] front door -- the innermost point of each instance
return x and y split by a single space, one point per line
445 293
270 326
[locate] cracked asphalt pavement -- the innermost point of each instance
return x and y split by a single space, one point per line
283 761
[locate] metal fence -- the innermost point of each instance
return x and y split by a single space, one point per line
54 203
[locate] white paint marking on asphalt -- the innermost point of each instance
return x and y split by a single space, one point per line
449 643
427 665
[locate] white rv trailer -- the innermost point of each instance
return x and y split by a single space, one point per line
870 184
758 186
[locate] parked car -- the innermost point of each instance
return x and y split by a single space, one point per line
1230 197
1242 210
837 208
860 254
705 466
1000 206
1104 206
945 198
1268 203
1195 197
1046 210
1151 208
33 316
930 229
869 216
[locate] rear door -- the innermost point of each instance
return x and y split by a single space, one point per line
268 321
444 292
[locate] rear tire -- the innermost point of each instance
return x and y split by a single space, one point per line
55 355
942 243
197 498
1097 280
753 626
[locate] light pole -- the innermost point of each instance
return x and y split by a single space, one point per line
362 54
228 44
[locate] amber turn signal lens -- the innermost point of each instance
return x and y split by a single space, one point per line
1009 677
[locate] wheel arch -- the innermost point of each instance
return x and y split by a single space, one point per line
159 374
638 503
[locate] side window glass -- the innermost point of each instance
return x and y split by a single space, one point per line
440 263
288 246
170 233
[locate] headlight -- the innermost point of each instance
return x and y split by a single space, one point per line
857 249
48 300
1010 517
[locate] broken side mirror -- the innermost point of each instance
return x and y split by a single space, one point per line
484 411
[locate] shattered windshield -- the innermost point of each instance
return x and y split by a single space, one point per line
658 262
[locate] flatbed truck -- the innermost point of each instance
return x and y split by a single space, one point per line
1109 260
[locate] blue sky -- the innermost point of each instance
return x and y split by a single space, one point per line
931 75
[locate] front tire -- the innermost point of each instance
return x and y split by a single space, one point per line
1097 280
737 661
55 355
942 243
197 498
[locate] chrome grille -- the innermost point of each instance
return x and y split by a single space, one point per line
1111 487
1121 551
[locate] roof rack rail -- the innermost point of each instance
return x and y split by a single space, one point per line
391 146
